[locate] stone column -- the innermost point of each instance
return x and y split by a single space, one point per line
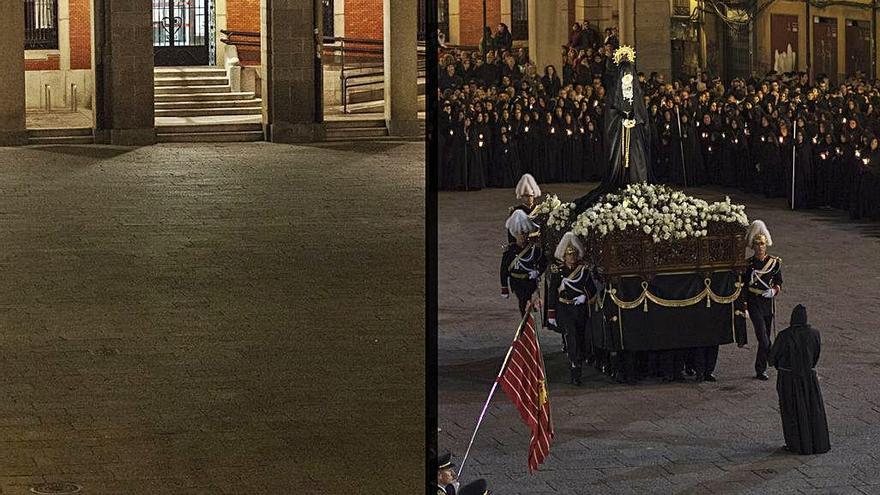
653 49
288 50
455 22
124 73
506 13
548 32
12 100
627 22
401 73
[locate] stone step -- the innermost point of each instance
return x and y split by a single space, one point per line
207 104
191 81
211 137
189 71
61 140
60 132
378 106
354 123
376 91
231 96
176 90
208 112
208 128
355 132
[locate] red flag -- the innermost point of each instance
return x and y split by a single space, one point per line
523 381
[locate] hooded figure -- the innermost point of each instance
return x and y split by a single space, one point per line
626 133
795 354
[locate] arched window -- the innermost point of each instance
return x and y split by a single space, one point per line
519 19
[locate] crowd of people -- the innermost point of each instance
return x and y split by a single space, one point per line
816 144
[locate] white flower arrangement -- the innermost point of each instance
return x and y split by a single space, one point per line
559 217
550 203
658 211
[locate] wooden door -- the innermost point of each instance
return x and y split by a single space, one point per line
825 47
858 46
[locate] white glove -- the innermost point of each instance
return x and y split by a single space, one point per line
533 274
505 296
769 293
551 321
580 299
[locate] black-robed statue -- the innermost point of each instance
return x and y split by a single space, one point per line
626 132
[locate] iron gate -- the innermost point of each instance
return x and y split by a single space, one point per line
181 32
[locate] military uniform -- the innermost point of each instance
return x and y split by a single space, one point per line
521 267
568 302
761 276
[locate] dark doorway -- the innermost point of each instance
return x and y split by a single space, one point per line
825 47
858 47
327 9
784 43
180 32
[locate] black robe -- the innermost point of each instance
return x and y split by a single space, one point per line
795 354
572 154
803 177
593 155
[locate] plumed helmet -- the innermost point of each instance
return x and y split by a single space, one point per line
758 231
520 224
569 243
527 186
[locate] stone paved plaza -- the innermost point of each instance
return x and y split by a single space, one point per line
222 319
722 437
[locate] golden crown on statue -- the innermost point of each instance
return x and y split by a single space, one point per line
625 52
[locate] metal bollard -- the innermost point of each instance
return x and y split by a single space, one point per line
73 98
48 92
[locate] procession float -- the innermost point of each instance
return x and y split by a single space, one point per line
668 264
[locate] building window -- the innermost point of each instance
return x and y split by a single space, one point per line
327 9
40 24
681 8
519 19
443 17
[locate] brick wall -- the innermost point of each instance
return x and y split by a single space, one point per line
52 62
244 15
471 19
80 34
363 19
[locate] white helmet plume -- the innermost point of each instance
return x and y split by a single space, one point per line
520 223
527 185
569 240
758 228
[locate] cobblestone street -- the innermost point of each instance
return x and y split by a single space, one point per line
218 319
722 437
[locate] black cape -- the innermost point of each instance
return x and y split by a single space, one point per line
795 354
637 168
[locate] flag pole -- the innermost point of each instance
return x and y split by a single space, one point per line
541 355
494 386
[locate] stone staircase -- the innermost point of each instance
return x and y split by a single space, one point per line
197 104
362 129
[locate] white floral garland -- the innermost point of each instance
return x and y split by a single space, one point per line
659 211
558 218
550 203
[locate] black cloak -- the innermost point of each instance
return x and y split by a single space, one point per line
795 354
619 108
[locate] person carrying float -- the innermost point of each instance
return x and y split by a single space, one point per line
763 277
569 293
523 260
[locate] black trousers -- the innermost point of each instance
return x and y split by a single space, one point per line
523 290
762 322
671 363
572 320
704 359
